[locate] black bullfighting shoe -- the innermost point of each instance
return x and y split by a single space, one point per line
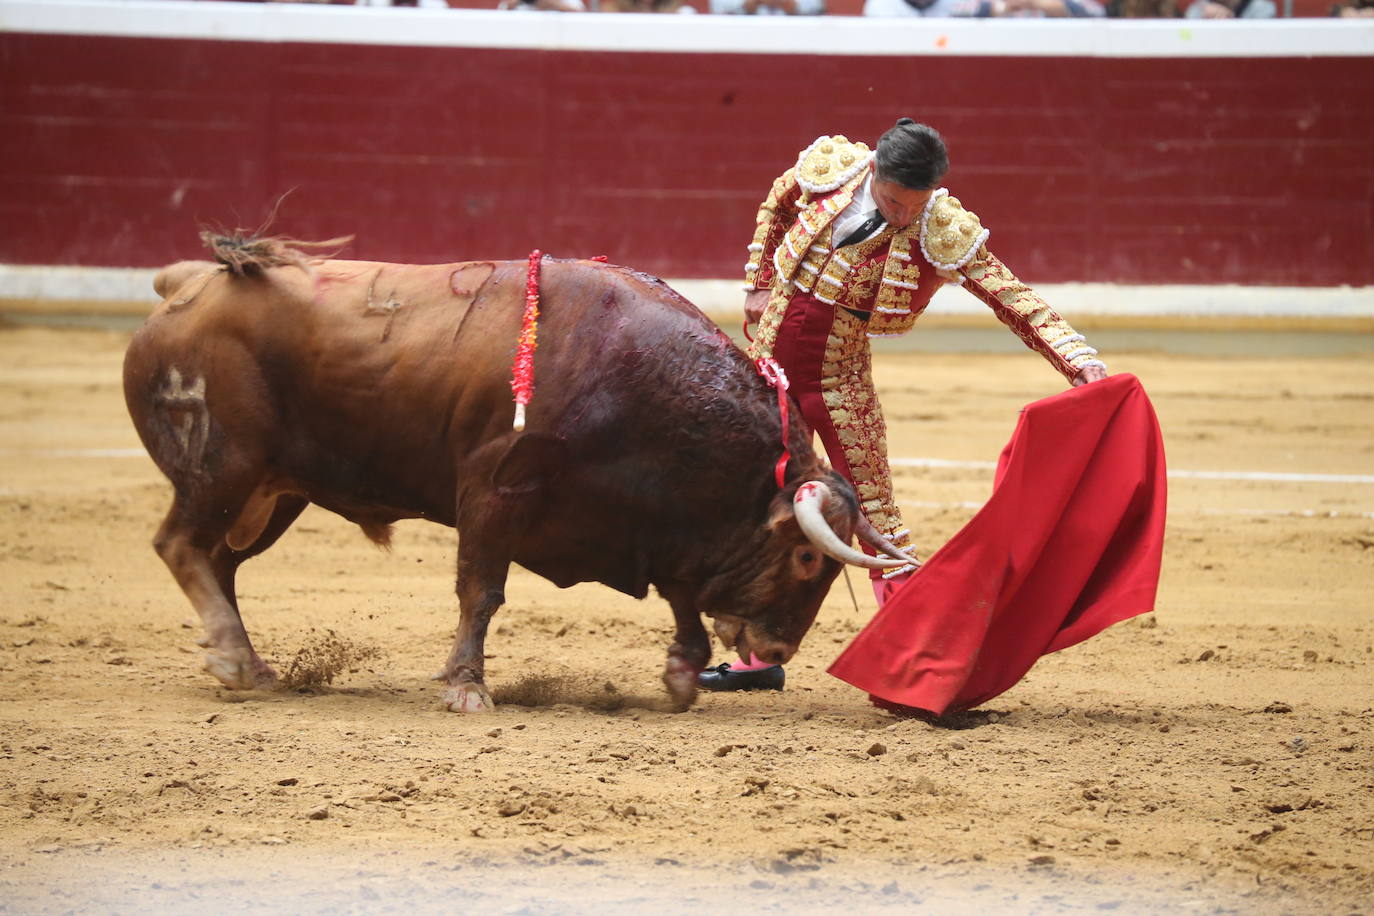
722 678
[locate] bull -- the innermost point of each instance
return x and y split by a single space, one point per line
267 382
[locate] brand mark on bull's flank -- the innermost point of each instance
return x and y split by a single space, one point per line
185 404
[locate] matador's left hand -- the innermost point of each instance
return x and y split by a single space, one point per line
1089 374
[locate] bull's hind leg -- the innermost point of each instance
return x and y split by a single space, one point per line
192 543
227 559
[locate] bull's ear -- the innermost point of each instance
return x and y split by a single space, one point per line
532 462
780 513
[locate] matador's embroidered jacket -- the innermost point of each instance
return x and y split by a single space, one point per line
894 273
887 280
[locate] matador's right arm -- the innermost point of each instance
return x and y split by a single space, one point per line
776 215
952 239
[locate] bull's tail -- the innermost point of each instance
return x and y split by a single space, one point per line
241 252
245 253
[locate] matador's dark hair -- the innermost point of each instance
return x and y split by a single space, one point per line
912 155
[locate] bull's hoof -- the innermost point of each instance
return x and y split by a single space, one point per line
468 697
680 677
240 669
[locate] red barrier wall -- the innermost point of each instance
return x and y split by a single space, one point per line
1133 170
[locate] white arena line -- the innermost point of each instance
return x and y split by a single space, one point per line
904 462
1273 476
1187 475
75 452
1175 510
719 299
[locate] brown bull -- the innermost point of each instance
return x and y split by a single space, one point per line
382 391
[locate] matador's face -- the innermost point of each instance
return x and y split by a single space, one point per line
899 205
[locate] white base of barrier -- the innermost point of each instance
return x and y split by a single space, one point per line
1110 300
130 290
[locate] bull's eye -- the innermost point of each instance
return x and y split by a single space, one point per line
806 563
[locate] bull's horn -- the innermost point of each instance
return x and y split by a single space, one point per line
808 505
873 538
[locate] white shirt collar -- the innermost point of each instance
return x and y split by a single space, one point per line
864 196
860 208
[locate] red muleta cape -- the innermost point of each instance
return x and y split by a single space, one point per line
1068 544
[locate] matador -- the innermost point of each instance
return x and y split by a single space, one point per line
851 243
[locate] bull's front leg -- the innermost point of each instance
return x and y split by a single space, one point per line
688 654
486 533
479 596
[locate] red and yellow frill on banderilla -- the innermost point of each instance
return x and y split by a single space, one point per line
522 369
889 278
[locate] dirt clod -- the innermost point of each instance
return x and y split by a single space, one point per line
324 657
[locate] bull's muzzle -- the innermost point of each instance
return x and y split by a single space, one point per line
747 638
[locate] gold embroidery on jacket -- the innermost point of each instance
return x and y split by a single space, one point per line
1028 316
949 234
895 307
850 399
829 162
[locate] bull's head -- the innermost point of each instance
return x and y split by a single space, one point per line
808 532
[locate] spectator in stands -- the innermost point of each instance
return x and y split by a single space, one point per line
768 7
642 6
1143 9
1354 9
1034 9
1232 9
931 8
1043 9
556 6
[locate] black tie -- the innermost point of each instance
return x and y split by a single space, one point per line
864 231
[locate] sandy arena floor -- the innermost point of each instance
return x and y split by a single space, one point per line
1215 757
